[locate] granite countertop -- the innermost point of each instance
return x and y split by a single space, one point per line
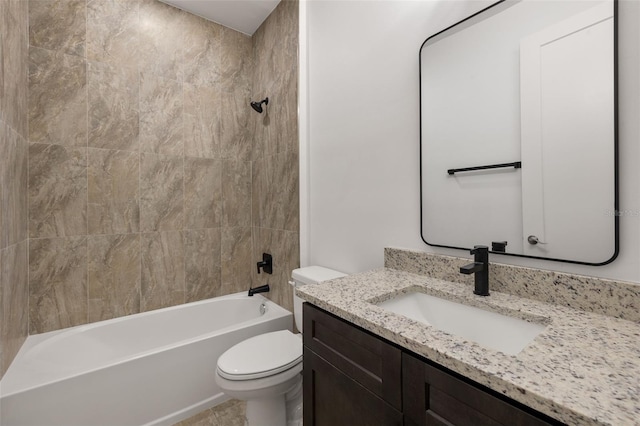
583 369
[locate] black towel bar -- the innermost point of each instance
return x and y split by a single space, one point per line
515 165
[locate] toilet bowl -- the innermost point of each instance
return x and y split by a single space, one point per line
265 370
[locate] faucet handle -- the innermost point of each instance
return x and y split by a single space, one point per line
480 254
499 246
266 264
479 250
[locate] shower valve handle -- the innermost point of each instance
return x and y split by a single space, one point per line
267 263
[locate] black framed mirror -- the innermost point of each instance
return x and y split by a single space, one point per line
518 131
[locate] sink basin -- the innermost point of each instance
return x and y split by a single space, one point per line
489 329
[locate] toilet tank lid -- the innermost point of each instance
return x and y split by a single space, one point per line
315 274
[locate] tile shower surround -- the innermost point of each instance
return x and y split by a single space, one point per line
14 286
151 182
121 94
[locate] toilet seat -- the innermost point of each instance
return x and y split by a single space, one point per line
261 356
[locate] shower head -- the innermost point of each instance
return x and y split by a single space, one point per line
258 105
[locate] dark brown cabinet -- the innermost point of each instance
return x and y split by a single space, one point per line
332 398
434 396
352 377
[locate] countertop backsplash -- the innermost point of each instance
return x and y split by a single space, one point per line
606 297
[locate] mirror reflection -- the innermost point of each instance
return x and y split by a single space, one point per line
518 131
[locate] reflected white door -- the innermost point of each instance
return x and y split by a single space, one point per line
567 119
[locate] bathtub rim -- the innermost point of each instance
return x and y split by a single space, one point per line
274 311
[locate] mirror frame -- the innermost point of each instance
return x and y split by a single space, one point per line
615 144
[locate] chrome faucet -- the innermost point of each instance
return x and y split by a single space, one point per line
479 267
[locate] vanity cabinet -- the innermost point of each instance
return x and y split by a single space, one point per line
433 396
332 398
352 377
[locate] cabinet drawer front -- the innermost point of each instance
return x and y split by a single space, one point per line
433 396
331 398
373 363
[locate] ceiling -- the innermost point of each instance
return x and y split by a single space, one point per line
241 15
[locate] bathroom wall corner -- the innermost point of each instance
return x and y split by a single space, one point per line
275 154
14 300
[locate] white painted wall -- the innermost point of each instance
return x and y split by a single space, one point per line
362 140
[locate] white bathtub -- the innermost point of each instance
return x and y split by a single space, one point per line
154 368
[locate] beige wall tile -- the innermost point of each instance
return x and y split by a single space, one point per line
57 191
113 192
236 193
57 98
237 263
14 286
161 39
14 39
290 197
162 281
235 141
275 192
283 131
113 32
235 60
161 192
202 193
14 299
5 153
201 121
3 48
113 98
161 120
145 33
113 276
286 27
264 43
259 71
58 25
202 249
57 283
5 354
13 186
201 54
275 45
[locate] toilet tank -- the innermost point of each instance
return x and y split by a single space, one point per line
309 275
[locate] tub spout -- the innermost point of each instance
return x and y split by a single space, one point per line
261 289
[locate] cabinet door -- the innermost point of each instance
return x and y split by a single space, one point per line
331 398
365 358
433 396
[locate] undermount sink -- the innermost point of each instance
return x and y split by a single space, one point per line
489 329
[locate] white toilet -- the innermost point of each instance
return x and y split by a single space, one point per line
265 370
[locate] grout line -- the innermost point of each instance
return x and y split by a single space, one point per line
140 232
184 198
86 65
27 183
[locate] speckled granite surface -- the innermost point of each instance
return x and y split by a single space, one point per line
600 296
583 369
